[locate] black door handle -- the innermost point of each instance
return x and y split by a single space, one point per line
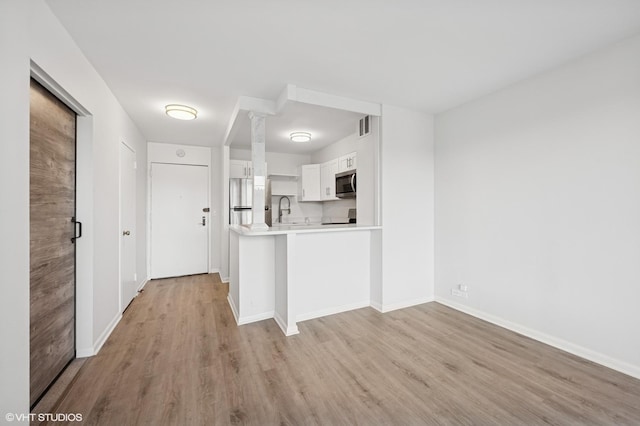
77 228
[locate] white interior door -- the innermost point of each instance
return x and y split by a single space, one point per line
128 279
179 224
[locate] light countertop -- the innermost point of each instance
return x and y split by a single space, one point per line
300 229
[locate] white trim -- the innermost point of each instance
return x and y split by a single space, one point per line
87 352
401 305
288 330
257 105
607 361
84 210
331 311
232 305
377 306
141 286
231 127
214 270
314 97
250 319
255 318
225 280
40 75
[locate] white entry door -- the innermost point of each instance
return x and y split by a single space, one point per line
179 222
128 279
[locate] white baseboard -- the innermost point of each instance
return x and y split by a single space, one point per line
287 329
598 358
249 319
234 310
224 279
142 285
377 306
400 305
102 339
331 311
214 270
84 353
255 318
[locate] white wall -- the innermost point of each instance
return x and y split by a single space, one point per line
368 164
29 29
53 50
337 149
14 208
217 205
407 183
538 206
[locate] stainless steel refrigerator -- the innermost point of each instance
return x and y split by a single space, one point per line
241 202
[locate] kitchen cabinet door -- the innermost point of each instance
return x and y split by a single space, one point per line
309 183
347 162
328 172
238 169
241 169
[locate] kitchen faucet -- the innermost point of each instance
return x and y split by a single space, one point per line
280 209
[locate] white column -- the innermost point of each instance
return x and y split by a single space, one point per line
259 169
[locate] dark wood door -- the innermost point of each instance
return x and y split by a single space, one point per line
52 207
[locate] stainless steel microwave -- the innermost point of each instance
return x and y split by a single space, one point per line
346 184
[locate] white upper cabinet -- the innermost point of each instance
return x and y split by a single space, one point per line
347 162
328 172
309 183
240 169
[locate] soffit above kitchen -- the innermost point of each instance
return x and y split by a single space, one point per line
323 117
326 126
428 55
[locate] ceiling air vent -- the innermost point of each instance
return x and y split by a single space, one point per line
364 126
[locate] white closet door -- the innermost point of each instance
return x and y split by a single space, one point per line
128 235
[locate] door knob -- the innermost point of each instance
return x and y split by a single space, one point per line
126 232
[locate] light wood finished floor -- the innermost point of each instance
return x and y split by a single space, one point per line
178 358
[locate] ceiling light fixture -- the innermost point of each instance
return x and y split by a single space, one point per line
300 137
181 112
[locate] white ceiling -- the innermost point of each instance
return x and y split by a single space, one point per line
429 55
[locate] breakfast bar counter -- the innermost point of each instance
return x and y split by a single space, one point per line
293 273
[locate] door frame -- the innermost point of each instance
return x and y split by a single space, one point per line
188 155
84 210
135 159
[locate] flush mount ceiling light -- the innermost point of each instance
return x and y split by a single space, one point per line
181 112
300 137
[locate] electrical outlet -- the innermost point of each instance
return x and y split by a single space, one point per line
459 293
135 277
463 287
